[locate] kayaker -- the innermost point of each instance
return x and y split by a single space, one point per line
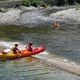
29 46
15 49
56 25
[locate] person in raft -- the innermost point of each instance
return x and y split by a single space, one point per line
29 46
15 49
56 25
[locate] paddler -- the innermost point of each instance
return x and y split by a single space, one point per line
29 46
15 49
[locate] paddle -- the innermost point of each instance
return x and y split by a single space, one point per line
20 54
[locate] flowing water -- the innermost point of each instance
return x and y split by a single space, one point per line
62 45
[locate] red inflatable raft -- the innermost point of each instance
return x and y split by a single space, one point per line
25 53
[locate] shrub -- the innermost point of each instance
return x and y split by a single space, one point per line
26 3
31 2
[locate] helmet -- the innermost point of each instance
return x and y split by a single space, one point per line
16 44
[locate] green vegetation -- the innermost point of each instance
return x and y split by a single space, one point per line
61 2
43 3
77 6
34 3
56 2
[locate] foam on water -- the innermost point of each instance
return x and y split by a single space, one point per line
10 44
60 63
63 64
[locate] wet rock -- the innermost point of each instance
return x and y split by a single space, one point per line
69 14
10 16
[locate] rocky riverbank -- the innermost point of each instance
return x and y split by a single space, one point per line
18 15
10 16
70 14
32 15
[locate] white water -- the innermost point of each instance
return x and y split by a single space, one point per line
63 64
11 44
60 63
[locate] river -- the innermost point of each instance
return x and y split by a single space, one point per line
62 45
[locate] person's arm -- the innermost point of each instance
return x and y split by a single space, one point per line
18 50
26 47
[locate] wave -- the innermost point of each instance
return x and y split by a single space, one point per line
63 64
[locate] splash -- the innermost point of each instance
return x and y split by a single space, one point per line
11 44
60 63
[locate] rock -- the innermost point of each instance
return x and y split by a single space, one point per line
10 16
69 14
28 8
3 10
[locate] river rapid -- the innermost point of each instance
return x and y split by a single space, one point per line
62 48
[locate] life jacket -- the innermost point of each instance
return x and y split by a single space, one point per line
14 49
29 48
